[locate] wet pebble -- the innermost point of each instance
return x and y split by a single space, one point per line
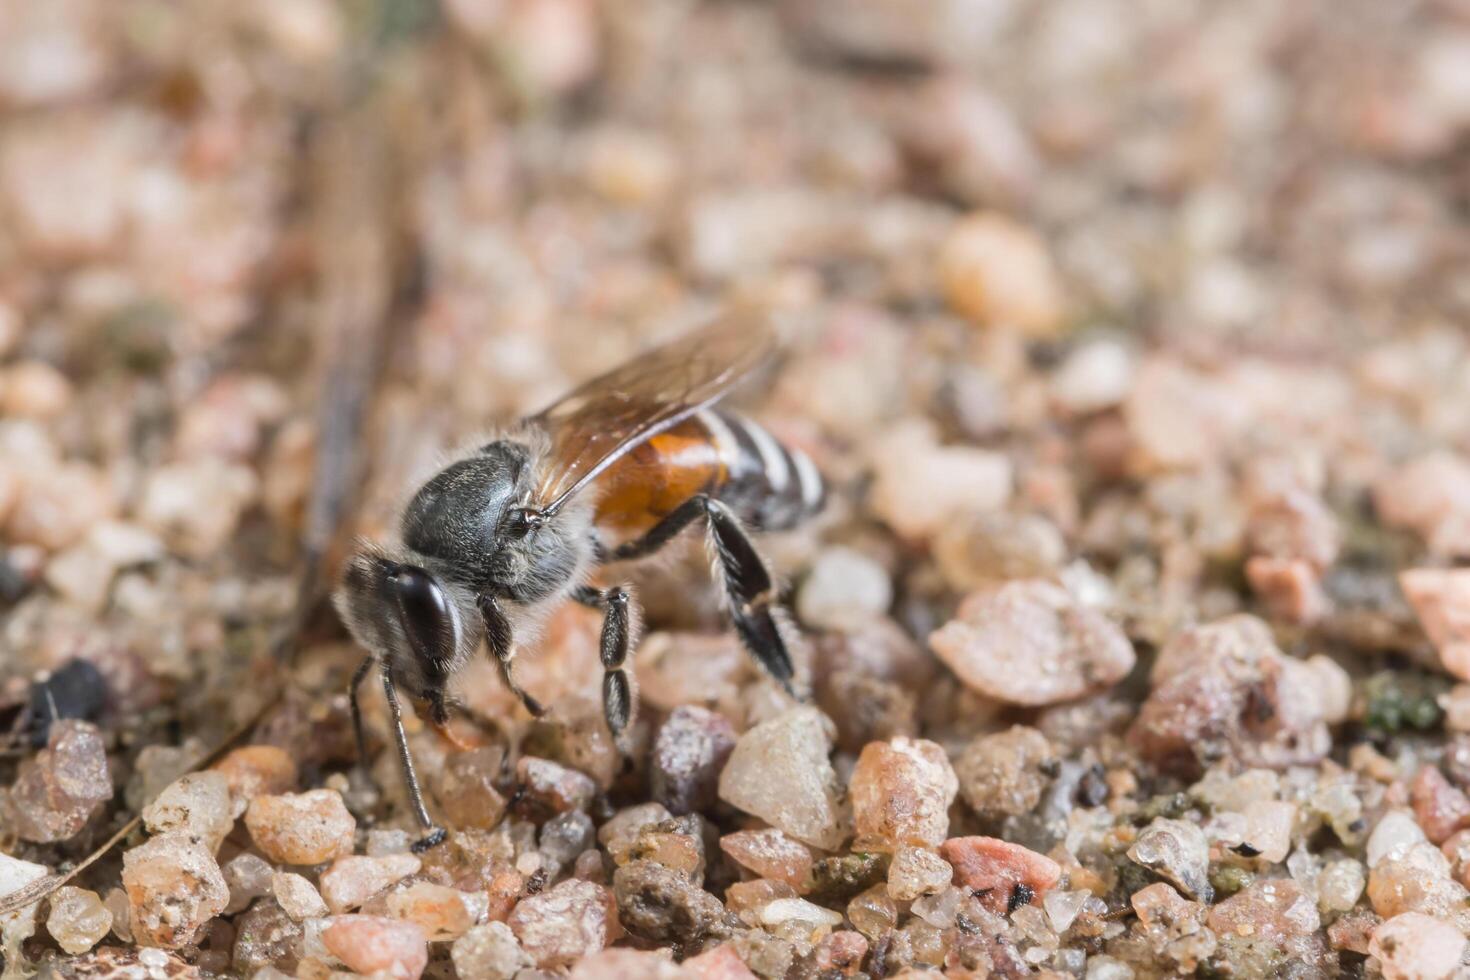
1178 852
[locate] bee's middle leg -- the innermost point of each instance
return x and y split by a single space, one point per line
617 639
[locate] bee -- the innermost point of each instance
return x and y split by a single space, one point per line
609 473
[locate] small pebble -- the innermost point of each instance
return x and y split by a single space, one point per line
78 920
720 963
843 585
901 791
1340 884
770 854
256 770
796 917
1430 496
488 952
1094 377
1395 833
33 389
999 273
915 871
301 828
561 925
1441 600
1270 911
983 551
1006 772
620 834
197 505
1031 643
614 964
1178 852
443 913
873 912
779 771
248 876
691 748
266 937
369 944
352 880
957 481
58 790
174 888
466 789
196 804
1412 946
566 836
1004 872
554 785
1440 808
116 904
297 896
662 906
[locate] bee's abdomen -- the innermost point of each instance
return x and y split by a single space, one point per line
771 486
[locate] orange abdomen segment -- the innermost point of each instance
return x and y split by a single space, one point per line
656 477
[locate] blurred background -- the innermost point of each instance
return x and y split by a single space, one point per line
1165 300
1039 248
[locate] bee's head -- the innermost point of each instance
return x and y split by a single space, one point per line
404 613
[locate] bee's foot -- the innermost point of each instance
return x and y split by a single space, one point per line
433 838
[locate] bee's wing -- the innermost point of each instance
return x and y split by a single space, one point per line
597 423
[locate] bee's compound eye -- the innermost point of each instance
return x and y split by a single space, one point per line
424 612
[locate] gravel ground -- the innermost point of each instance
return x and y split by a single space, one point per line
1130 337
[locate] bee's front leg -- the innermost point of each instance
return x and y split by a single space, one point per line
433 835
502 646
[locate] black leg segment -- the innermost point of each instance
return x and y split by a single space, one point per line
749 588
662 532
617 639
751 593
433 835
354 693
502 646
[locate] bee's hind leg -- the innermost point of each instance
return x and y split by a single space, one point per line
617 638
752 594
749 589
